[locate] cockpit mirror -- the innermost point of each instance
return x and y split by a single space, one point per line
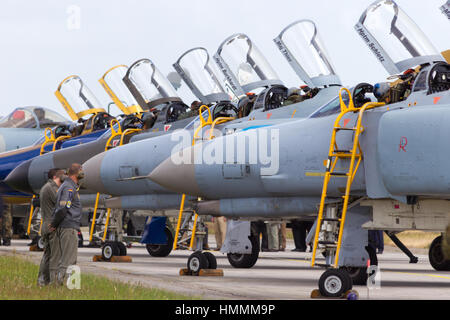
148 85
201 76
244 66
301 45
112 82
445 8
76 98
394 38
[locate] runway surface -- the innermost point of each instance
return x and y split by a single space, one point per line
276 275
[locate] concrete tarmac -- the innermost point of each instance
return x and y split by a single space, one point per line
276 275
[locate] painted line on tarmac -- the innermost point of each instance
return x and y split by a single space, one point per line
420 274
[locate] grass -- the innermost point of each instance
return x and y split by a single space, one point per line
18 282
414 239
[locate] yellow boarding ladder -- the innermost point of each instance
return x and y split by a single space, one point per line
334 155
203 123
109 145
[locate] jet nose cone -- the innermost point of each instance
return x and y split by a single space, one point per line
92 175
176 177
18 178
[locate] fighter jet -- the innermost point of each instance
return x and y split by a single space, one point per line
24 125
384 169
148 88
122 176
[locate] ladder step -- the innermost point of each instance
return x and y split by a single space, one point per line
343 128
343 151
328 242
338 173
331 219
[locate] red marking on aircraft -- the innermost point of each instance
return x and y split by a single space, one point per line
436 99
167 127
269 115
403 143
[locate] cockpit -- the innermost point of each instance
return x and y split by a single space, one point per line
153 92
302 46
32 117
122 98
405 52
249 75
81 105
202 76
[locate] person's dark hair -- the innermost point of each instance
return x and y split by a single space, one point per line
74 169
55 173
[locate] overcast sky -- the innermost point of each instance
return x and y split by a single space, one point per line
39 49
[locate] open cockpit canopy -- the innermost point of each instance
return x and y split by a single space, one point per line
148 85
394 38
77 99
244 66
201 76
302 46
32 117
118 91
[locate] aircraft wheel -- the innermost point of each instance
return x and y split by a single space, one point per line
122 249
359 274
39 242
197 261
238 260
334 283
161 250
109 250
436 256
212 261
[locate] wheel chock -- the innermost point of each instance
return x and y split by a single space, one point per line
99 258
34 247
349 295
202 272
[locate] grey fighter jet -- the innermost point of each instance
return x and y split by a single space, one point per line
385 168
106 172
123 177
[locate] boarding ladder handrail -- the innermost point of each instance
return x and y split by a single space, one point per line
203 123
334 154
114 133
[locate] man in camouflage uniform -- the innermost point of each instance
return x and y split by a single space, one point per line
6 225
65 224
47 198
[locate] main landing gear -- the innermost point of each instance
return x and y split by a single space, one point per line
436 256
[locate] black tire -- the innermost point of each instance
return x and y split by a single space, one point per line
122 249
334 283
39 243
359 274
245 260
212 261
110 249
161 250
436 256
197 261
